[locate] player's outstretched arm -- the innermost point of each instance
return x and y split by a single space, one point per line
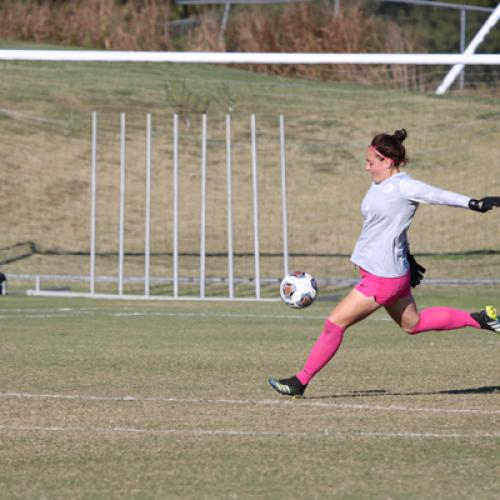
484 204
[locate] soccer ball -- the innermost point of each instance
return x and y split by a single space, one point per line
298 289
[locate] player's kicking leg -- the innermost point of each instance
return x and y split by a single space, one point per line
351 309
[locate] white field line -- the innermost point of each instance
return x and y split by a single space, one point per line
67 312
234 315
37 119
301 403
59 309
326 433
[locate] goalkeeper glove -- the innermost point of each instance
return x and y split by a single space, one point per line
484 204
416 271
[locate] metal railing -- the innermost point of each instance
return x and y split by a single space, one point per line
445 5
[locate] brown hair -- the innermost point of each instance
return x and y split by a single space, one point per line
391 146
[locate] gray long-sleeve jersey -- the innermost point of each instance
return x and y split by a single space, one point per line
388 209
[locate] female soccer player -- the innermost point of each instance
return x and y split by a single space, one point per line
385 264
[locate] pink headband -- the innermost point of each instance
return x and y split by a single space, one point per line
376 151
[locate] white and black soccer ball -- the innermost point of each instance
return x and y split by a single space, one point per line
298 289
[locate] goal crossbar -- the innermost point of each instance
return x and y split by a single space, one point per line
246 57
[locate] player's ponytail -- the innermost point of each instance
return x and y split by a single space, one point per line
400 134
391 146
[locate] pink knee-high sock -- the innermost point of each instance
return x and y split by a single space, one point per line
444 318
323 350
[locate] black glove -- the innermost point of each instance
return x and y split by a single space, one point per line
416 271
492 200
484 204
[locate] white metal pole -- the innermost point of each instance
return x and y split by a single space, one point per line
255 207
93 190
121 251
462 44
175 251
336 9
284 210
147 222
203 215
471 48
223 24
230 252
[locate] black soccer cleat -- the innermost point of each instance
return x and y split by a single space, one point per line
288 386
488 319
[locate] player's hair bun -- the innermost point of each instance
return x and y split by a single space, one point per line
400 134
391 146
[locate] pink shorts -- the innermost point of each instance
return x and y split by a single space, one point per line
384 290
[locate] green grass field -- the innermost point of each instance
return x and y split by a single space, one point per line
107 399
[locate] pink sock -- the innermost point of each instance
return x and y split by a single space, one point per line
323 350
444 318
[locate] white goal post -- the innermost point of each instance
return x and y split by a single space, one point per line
246 57
477 40
457 61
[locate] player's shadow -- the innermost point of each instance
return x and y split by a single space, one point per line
487 389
